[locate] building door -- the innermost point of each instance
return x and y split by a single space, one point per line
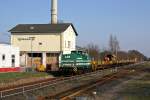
34 59
52 61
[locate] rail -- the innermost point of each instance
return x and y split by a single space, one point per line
37 86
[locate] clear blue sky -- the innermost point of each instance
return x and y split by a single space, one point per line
94 20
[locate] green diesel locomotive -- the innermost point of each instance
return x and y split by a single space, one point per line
75 62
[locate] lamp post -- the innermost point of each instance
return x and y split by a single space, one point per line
31 38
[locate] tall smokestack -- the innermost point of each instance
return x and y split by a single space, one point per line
53 11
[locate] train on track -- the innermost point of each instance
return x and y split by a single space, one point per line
77 61
80 62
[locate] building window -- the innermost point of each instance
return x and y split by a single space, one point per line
69 44
13 60
40 43
13 56
3 57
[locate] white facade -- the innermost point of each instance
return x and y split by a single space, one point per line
9 56
69 40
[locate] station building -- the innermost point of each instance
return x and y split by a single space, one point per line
42 44
9 58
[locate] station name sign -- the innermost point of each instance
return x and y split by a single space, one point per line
26 39
20 39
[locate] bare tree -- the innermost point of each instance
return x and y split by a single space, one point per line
111 44
135 54
93 51
114 44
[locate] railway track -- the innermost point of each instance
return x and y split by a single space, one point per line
21 90
71 93
8 93
67 95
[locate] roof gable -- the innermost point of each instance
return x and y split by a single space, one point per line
41 28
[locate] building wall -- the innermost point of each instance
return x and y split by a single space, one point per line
8 51
41 42
68 40
44 43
